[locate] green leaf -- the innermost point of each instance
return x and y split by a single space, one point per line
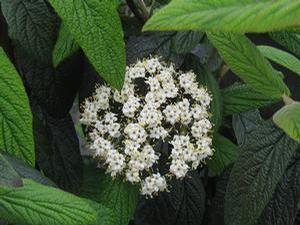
227 15
184 42
38 204
26 171
184 204
288 119
31 26
225 154
15 115
290 40
105 216
115 194
248 63
96 27
65 45
8 176
281 57
241 98
244 123
282 209
255 175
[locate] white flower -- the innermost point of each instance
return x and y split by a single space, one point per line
179 168
129 130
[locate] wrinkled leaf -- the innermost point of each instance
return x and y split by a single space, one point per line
184 42
282 208
105 216
230 16
241 98
96 27
58 151
245 60
116 194
244 123
257 172
38 204
225 154
288 119
15 115
31 26
183 205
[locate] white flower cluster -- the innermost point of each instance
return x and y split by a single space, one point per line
156 104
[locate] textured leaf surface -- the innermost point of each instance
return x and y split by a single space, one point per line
185 41
244 123
257 172
119 196
225 154
58 151
290 40
241 98
8 176
65 45
15 114
38 204
248 63
183 205
96 27
281 57
115 194
31 26
288 119
226 15
105 216
26 171
282 208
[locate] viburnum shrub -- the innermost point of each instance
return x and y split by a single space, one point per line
156 103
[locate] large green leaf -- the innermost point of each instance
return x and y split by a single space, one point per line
255 175
290 40
281 57
241 98
15 114
96 27
225 154
65 45
247 62
8 176
35 204
115 194
288 119
282 209
227 15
